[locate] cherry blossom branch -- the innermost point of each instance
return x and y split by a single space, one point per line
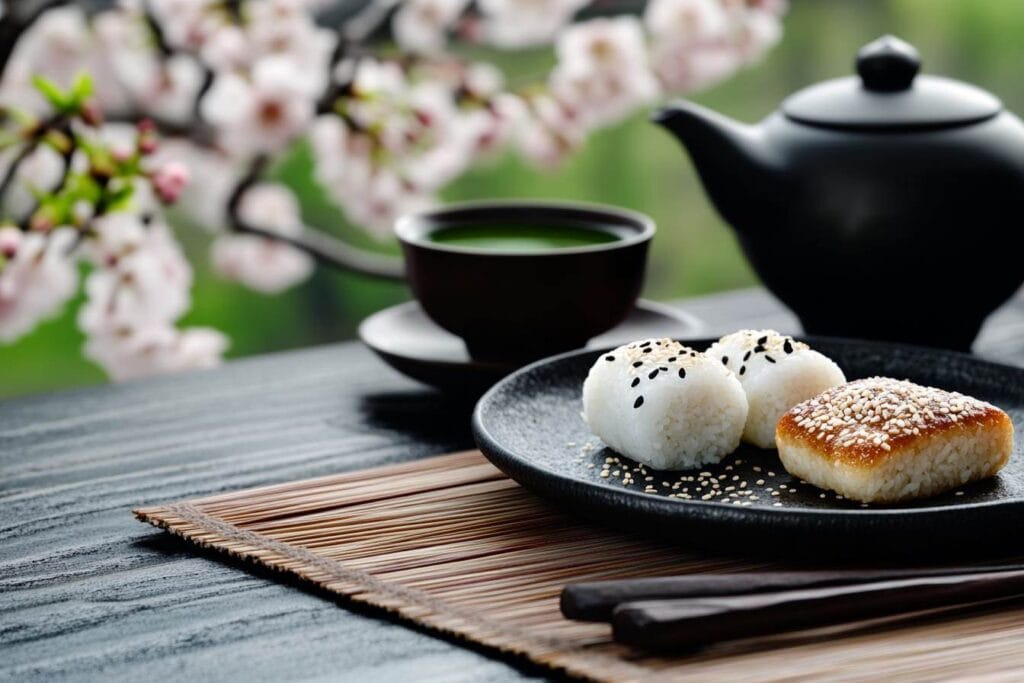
350 32
159 40
195 131
324 248
30 145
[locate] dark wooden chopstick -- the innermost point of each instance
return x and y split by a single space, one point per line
595 600
690 622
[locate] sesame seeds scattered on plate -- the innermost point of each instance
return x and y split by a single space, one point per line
727 482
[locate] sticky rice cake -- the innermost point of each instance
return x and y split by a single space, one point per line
882 440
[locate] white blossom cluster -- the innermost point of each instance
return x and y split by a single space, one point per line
233 84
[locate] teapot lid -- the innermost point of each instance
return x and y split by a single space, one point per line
889 95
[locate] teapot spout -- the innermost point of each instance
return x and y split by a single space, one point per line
734 160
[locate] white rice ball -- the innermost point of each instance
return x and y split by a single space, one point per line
664 405
776 372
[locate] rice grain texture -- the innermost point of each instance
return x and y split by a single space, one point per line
664 405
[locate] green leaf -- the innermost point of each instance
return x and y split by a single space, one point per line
120 199
84 187
82 88
52 92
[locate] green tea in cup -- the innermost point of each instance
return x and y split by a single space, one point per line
522 280
522 237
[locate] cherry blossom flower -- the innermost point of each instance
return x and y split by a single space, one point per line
387 133
155 350
602 70
227 49
58 45
523 23
285 29
263 264
185 23
262 114
329 139
549 132
385 198
683 68
37 277
698 42
139 288
760 30
483 80
141 279
420 26
165 88
686 22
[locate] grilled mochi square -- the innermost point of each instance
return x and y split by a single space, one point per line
882 440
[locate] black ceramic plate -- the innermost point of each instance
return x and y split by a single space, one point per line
410 342
529 425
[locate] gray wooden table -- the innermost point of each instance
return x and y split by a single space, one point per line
87 592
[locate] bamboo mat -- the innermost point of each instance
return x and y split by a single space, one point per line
452 544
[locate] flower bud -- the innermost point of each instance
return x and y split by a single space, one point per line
169 180
91 114
10 240
41 222
147 144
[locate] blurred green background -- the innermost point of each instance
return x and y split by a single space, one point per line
634 165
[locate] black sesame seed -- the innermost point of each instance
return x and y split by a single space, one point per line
609 358
636 380
645 344
763 340
637 363
746 356
638 402
672 359
787 347
743 368
769 358
654 373
663 369
682 373
759 349
725 360
648 350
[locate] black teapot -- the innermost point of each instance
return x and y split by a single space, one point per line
886 205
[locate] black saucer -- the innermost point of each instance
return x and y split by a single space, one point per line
407 340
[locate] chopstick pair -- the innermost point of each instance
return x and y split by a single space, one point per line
700 609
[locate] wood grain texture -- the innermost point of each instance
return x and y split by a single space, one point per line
104 596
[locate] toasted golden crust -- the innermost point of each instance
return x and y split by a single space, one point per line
868 422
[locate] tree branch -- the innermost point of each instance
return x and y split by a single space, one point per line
30 146
323 247
326 249
352 31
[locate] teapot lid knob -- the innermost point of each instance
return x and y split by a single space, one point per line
888 64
